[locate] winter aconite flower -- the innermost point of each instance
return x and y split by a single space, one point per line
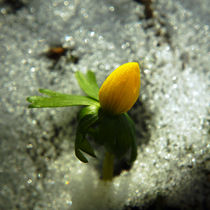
103 118
121 88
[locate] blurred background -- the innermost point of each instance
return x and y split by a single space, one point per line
43 43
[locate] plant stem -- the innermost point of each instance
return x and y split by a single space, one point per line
108 167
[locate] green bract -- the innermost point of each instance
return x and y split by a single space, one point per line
88 84
56 99
115 132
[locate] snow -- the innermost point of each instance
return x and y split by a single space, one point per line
38 167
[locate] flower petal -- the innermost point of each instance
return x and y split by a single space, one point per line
121 88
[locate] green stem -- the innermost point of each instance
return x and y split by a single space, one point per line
108 167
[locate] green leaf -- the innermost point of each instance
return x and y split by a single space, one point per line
51 93
92 80
117 134
80 156
81 143
88 84
89 112
87 117
133 152
56 99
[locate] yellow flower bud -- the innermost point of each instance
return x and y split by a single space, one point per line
120 90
